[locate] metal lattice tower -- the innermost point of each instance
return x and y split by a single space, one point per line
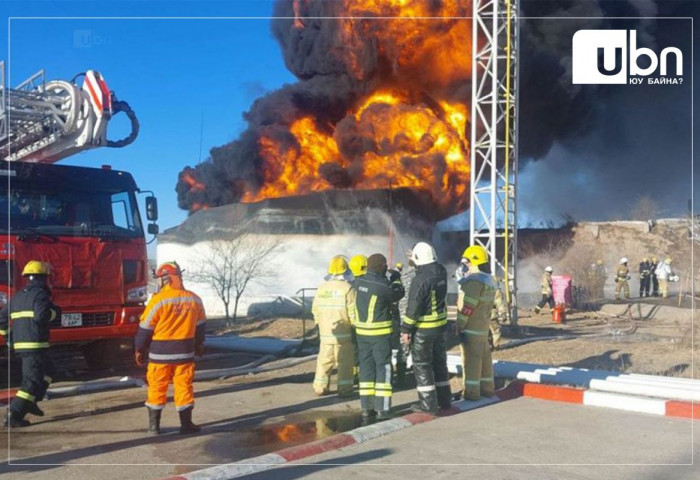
494 151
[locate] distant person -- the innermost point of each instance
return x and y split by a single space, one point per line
644 277
25 326
547 292
665 274
622 275
373 324
423 327
334 312
172 330
654 279
472 325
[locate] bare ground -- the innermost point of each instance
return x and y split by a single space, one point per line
617 337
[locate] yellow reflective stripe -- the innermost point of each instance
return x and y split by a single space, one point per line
25 395
366 392
30 345
382 393
409 321
3 332
366 384
373 332
382 386
435 324
370 309
386 323
471 300
22 314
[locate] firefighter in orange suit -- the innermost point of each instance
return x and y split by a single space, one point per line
172 330
479 289
25 324
333 309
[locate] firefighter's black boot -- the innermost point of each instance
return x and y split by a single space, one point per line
34 409
154 421
13 420
186 425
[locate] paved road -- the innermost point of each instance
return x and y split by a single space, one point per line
103 436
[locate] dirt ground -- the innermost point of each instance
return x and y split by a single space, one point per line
650 337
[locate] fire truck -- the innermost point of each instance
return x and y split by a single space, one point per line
84 221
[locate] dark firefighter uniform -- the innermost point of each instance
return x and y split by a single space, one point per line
654 279
172 328
373 324
25 325
644 277
425 321
473 321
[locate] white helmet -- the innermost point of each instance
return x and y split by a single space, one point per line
549 269
423 254
623 260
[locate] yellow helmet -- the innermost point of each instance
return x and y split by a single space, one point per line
645 259
35 267
653 259
358 265
338 265
669 260
476 254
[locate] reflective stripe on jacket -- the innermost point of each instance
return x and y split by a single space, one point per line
426 308
375 294
334 311
26 322
172 324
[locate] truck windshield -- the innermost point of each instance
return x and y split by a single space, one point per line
70 213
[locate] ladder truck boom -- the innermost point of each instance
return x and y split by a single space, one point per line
45 121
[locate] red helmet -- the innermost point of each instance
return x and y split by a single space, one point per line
167 269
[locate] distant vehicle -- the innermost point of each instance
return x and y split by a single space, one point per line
84 221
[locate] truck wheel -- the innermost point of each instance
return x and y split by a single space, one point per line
101 354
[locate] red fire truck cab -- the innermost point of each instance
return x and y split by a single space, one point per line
85 222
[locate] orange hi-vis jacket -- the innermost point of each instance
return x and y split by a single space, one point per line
171 326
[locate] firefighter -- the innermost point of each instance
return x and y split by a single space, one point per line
644 277
472 325
498 313
172 330
373 325
622 275
665 274
654 279
358 268
24 324
397 350
547 292
333 309
423 327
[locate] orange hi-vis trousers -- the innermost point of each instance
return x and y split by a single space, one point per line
160 375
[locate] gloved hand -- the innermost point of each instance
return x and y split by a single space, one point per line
393 275
138 358
200 350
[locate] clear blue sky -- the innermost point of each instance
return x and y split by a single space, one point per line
173 73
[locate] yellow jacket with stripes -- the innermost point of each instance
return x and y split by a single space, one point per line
479 297
334 311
